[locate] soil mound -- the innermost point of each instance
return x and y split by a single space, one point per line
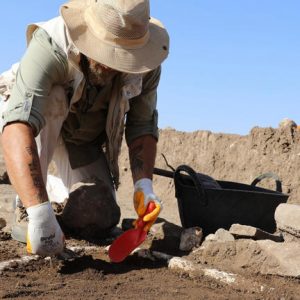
230 157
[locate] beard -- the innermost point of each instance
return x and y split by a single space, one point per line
98 74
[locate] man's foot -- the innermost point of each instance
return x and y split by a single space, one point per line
19 228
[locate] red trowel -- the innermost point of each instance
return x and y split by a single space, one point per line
130 239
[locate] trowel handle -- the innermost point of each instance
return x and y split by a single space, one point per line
140 223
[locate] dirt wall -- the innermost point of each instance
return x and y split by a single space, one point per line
223 156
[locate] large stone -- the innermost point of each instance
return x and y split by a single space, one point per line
245 231
287 218
282 258
91 210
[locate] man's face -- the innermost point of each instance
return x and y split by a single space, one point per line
100 74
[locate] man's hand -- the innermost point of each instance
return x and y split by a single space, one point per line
44 236
143 194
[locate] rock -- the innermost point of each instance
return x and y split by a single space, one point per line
190 238
287 218
91 210
282 258
287 123
211 237
224 235
245 231
162 229
220 236
264 257
165 237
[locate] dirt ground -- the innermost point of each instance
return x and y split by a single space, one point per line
90 275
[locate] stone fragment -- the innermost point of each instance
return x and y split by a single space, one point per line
190 238
91 210
163 229
165 237
245 231
211 237
287 123
287 218
282 258
224 235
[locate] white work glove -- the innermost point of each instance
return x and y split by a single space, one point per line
143 194
44 235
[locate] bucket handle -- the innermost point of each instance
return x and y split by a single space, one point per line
269 175
196 181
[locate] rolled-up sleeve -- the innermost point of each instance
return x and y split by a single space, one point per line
43 65
142 117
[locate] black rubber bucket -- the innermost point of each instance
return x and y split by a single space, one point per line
211 204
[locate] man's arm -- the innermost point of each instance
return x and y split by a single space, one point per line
22 163
141 135
142 153
44 235
42 66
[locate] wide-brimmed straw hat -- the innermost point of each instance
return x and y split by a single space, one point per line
117 33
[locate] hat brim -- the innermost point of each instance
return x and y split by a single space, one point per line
137 60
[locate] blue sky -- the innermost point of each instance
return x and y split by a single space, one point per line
233 64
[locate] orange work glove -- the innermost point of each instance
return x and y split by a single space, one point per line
143 194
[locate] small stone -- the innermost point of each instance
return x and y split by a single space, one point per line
224 235
245 231
190 238
163 229
287 123
211 237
